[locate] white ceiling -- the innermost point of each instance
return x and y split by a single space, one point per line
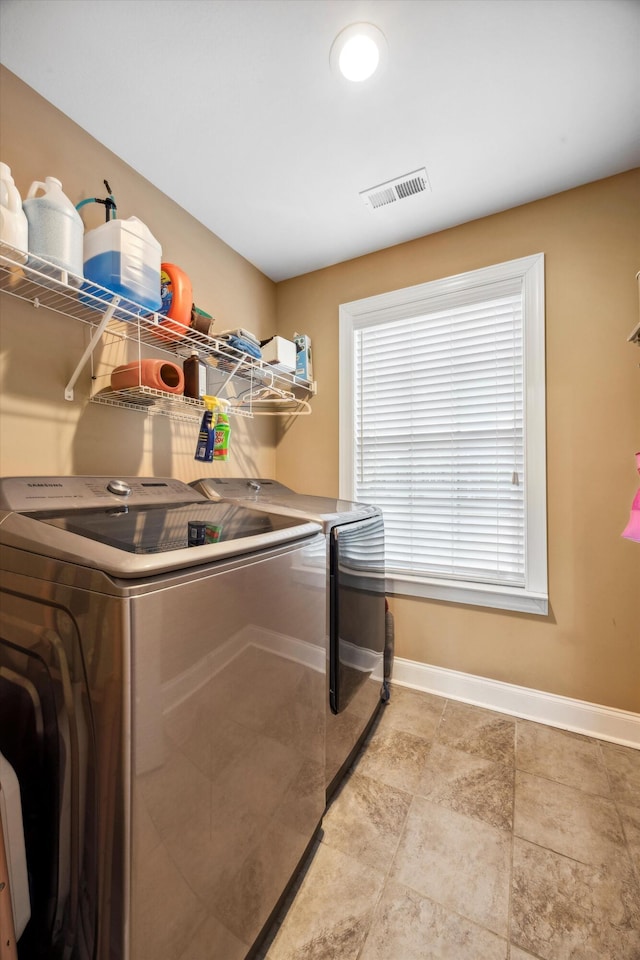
230 108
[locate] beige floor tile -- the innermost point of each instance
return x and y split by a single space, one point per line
575 824
562 909
623 766
574 876
365 820
482 733
471 785
332 910
410 927
395 758
459 862
413 712
559 755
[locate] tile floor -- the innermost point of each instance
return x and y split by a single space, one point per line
463 834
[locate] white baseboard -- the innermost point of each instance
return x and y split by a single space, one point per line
579 716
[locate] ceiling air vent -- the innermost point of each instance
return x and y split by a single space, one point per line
401 188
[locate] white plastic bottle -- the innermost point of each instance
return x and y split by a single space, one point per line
125 257
14 229
56 229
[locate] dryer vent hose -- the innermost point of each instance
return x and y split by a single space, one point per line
389 643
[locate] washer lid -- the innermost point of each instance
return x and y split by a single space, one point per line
139 528
269 495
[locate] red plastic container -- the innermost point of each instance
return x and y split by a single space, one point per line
159 374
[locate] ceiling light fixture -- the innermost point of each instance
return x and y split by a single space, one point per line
358 51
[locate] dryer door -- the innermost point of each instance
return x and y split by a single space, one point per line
357 617
46 735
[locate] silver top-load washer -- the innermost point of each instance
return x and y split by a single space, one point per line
162 684
355 616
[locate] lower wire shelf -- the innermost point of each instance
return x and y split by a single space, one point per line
148 400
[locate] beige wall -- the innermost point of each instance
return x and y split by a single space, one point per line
41 432
589 645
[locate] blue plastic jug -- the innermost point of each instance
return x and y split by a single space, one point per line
124 257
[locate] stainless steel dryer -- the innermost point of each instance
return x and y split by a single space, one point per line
355 616
162 683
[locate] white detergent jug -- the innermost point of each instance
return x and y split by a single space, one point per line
55 226
124 256
14 229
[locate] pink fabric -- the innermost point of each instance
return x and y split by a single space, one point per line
632 529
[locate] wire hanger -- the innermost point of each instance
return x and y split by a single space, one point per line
257 398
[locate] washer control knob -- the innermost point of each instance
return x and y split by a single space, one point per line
119 487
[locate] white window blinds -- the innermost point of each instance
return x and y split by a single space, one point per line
439 437
442 414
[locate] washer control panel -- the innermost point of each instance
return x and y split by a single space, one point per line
241 488
23 494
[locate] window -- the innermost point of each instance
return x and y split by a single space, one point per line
442 425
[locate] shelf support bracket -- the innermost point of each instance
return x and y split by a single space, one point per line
99 330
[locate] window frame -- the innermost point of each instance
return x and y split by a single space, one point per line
420 299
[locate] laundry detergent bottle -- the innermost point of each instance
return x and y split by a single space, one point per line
14 228
124 257
222 433
55 227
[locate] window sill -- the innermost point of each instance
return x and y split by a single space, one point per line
476 594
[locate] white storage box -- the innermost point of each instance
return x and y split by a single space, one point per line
280 354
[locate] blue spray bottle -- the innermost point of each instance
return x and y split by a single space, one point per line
206 436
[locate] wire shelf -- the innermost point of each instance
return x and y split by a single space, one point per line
149 400
44 284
